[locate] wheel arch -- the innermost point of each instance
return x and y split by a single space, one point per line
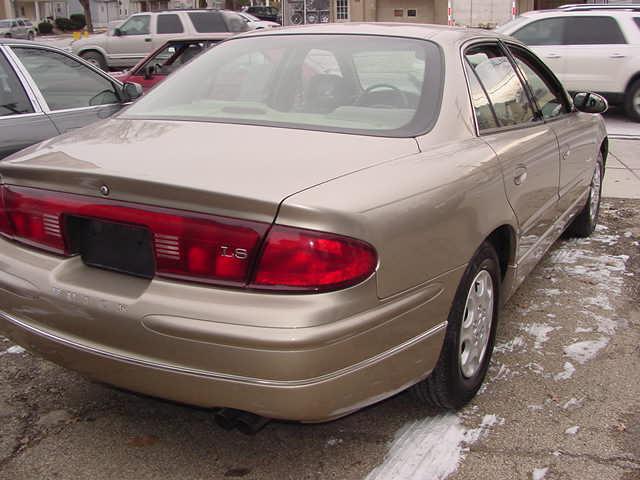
93 48
503 240
604 149
634 78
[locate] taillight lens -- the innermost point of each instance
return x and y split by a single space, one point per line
305 260
195 246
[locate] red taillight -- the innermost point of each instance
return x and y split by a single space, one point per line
186 245
195 246
305 260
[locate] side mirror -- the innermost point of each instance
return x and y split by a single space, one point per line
149 71
117 32
131 91
590 102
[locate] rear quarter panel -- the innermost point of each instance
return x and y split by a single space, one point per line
426 214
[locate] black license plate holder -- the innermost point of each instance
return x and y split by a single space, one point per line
112 245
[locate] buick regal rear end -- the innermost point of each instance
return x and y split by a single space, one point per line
262 231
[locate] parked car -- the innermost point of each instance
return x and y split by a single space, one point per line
168 58
255 23
263 12
595 48
17 28
142 33
45 91
413 189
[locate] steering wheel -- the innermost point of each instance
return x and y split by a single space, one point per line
361 100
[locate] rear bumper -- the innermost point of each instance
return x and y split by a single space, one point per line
310 400
296 357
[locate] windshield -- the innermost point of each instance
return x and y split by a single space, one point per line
353 84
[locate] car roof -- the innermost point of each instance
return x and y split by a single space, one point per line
581 12
15 41
406 30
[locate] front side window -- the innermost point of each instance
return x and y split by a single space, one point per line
593 31
169 23
64 82
173 56
499 79
13 99
356 84
235 22
137 25
549 31
546 92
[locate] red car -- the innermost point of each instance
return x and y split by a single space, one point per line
172 55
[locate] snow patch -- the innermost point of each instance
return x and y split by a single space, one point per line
511 345
584 351
332 442
431 448
572 403
572 430
540 332
567 372
539 473
14 350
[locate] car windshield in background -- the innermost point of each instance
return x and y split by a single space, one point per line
353 84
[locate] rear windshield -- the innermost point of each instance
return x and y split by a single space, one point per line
373 85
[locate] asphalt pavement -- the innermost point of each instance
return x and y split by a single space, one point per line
561 400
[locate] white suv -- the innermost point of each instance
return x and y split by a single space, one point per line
143 33
589 48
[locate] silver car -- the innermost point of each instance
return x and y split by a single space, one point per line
17 28
45 92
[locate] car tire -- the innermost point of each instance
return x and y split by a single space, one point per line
585 223
95 58
30 36
470 334
632 101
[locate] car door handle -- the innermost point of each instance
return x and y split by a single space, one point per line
552 55
617 55
147 39
520 175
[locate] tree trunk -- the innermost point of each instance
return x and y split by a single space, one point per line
87 14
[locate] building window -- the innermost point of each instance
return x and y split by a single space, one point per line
342 9
398 12
412 13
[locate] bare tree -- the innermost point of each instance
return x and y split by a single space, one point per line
87 14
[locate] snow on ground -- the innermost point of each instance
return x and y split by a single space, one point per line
16 349
539 473
584 351
572 430
540 332
431 448
566 373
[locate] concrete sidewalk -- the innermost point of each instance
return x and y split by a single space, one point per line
622 178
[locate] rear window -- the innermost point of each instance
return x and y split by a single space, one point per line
637 20
353 84
593 31
169 23
208 22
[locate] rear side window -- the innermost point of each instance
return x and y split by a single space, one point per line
549 31
481 105
637 20
499 79
169 24
208 22
593 31
13 99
